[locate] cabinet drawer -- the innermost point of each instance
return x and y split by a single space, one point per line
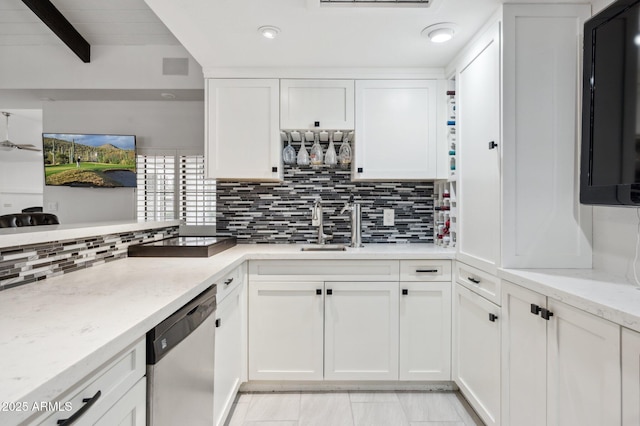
324 270
112 381
425 270
229 282
480 282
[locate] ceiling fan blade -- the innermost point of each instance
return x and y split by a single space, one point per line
28 148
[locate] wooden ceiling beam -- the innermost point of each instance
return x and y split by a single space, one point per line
61 27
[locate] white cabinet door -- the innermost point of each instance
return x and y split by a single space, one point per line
630 377
130 410
425 331
327 102
361 331
477 352
285 330
395 134
228 354
524 357
242 129
479 166
583 371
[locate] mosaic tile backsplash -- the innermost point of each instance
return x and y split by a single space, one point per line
25 264
266 212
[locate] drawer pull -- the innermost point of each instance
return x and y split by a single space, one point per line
88 402
493 317
218 322
426 271
546 314
405 291
535 309
473 280
229 281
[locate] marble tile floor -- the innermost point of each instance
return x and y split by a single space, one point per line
400 408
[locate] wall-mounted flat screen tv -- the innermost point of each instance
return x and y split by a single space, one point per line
88 160
610 165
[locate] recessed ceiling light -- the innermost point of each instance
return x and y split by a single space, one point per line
439 33
269 31
167 95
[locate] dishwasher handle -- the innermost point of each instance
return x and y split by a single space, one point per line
170 332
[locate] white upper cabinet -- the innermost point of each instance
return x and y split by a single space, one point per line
324 104
242 129
396 129
518 198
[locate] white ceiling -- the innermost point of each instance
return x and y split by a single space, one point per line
223 33
100 22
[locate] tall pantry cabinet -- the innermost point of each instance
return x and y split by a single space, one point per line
517 144
518 114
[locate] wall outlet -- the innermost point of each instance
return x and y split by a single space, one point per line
52 206
388 217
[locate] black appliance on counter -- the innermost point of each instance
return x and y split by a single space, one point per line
182 247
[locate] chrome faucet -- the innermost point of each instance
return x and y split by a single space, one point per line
356 222
317 220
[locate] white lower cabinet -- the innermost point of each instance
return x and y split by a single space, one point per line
361 331
130 410
630 377
286 330
476 334
228 354
558 360
115 394
425 331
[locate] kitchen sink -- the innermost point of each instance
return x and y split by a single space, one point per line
324 247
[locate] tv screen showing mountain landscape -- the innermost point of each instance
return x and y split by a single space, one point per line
103 161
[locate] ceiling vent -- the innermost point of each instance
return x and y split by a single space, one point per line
392 3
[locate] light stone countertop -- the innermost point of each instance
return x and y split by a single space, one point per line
601 293
10 237
55 332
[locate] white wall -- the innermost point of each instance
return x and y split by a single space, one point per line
21 171
167 124
111 67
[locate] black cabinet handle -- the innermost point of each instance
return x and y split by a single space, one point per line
546 314
405 291
218 322
493 145
329 292
229 281
535 309
88 402
318 291
274 169
359 169
473 280
426 271
493 317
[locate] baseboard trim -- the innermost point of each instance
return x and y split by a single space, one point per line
330 386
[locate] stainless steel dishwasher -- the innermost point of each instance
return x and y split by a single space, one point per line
180 354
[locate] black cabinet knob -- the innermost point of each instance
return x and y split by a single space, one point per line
316 124
218 322
329 292
318 291
274 169
535 309
546 314
493 317
359 169
493 145
405 291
